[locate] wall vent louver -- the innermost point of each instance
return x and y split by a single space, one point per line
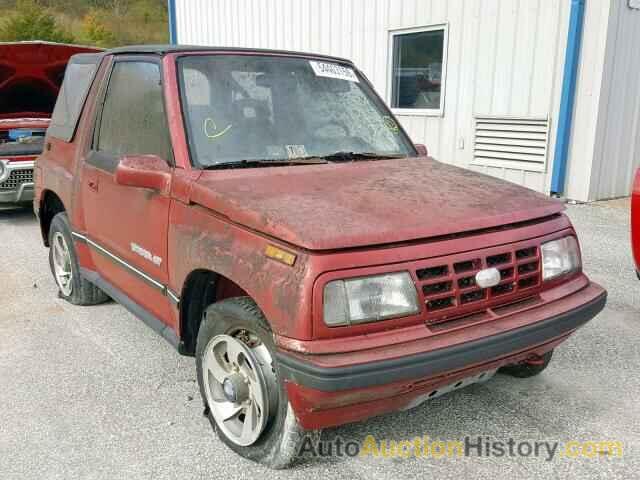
511 142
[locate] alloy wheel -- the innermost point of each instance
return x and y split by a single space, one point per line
62 264
240 385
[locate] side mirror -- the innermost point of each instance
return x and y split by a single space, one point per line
144 171
422 149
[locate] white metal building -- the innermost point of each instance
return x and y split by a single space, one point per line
544 93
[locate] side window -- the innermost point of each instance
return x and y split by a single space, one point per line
133 120
77 81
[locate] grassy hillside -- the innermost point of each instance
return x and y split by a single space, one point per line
105 23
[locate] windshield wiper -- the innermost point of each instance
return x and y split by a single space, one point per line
355 156
344 156
265 162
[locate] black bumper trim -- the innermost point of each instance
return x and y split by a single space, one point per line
435 362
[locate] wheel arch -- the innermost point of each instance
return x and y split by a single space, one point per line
50 206
202 287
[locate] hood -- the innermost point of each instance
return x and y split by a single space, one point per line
327 207
30 76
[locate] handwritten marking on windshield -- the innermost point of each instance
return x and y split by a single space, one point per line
210 127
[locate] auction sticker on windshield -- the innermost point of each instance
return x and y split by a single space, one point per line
333 70
296 151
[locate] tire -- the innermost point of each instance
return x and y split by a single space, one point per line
526 370
78 291
279 442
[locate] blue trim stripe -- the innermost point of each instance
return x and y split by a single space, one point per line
565 116
173 29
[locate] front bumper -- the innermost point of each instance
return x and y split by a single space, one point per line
326 391
16 183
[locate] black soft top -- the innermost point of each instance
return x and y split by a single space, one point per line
164 49
96 58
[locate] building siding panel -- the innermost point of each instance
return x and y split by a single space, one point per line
504 56
616 154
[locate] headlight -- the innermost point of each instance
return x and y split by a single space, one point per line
368 299
2 168
559 257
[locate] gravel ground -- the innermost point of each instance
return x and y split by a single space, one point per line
91 392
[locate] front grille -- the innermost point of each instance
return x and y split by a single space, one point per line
449 288
17 178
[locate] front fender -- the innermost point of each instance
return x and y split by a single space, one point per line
200 239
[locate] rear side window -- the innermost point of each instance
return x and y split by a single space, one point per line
77 80
133 120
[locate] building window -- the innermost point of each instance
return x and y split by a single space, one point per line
418 67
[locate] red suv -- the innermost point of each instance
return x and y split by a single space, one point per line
266 213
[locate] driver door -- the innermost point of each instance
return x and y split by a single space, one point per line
127 226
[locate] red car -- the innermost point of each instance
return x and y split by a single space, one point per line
30 77
635 221
265 212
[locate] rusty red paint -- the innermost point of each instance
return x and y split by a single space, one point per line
144 171
339 220
367 203
204 240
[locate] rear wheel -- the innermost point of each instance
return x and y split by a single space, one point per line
63 261
245 399
528 369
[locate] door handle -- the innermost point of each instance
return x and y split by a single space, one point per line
93 185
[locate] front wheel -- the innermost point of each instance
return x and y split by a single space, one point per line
245 398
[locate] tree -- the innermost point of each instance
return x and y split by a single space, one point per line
96 32
32 22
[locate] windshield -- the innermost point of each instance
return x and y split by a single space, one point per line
241 108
